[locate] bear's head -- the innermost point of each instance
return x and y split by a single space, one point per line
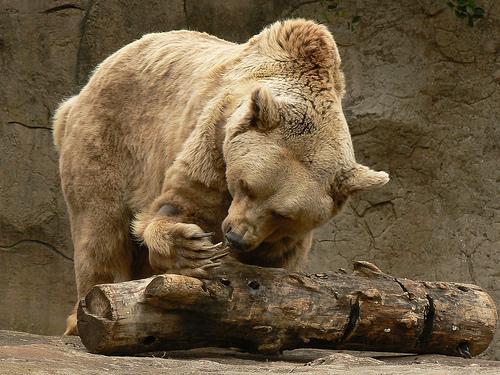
290 164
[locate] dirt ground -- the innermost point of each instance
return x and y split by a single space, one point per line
23 353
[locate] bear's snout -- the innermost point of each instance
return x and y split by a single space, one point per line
236 241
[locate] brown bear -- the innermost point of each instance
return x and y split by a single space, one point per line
180 136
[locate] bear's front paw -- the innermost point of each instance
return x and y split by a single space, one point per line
182 248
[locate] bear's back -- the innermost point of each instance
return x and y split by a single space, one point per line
168 55
151 82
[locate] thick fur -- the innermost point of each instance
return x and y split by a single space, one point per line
182 133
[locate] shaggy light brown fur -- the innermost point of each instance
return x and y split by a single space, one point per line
182 133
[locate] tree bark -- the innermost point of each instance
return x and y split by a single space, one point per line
270 310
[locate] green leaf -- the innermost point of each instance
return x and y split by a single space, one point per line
356 19
326 17
479 12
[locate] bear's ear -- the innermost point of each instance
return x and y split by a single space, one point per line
362 178
264 109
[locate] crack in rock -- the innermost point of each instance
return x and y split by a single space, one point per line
83 33
45 244
27 126
62 7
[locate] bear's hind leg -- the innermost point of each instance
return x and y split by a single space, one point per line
102 253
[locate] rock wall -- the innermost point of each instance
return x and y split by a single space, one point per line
423 104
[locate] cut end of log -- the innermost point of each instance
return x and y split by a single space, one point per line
94 314
98 304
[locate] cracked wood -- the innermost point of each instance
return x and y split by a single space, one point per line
270 310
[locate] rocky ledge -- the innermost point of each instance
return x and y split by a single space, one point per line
23 353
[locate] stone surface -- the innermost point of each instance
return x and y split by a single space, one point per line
422 103
22 353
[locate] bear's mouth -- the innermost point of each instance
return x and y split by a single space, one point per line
239 251
236 251
264 255
263 247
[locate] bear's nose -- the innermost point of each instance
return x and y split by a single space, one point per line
236 241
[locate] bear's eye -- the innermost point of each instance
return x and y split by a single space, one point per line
245 188
280 216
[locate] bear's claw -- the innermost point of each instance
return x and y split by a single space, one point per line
201 235
201 254
219 256
213 246
201 272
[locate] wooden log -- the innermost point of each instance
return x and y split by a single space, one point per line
270 310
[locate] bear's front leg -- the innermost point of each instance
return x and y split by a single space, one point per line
176 246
